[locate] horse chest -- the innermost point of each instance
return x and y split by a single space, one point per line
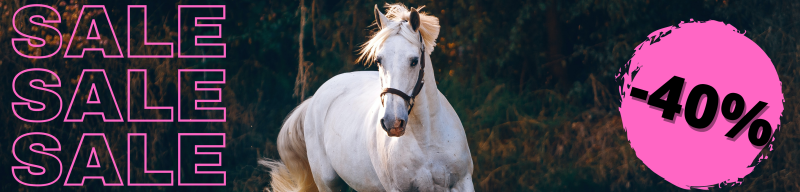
447 167
436 170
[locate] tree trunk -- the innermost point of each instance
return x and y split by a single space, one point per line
555 60
302 70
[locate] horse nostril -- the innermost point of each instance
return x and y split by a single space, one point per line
383 124
402 123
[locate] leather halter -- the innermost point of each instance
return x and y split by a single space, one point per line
417 87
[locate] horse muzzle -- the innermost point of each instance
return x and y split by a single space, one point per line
395 119
395 127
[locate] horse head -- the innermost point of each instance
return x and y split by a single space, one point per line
399 50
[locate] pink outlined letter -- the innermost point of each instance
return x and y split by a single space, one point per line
146 171
196 152
30 38
110 27
197 102
110 91
28 101
29 165
103 179
197 24
144 83
93 91
146 43
96 32
96 160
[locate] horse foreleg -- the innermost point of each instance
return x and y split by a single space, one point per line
325 176
465 185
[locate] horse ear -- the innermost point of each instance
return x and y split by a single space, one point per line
414 19
380 19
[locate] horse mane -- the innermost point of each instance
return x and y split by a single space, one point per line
396 13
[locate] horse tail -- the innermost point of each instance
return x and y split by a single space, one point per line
292 173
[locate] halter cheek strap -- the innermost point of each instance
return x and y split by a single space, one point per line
417 87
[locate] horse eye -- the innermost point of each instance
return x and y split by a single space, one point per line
378 61
414 61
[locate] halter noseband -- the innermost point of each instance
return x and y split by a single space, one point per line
417 87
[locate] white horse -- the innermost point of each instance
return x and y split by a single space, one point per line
362 129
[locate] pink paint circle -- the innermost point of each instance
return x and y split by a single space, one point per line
710 53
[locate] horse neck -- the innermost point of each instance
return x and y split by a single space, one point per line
428 106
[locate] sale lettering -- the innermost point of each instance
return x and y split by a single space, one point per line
95 26
97 162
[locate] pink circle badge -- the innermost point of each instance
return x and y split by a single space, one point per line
699 103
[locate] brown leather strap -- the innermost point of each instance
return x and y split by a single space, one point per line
417 87
396 92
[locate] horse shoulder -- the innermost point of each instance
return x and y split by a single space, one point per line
342 112
454 139
339 87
